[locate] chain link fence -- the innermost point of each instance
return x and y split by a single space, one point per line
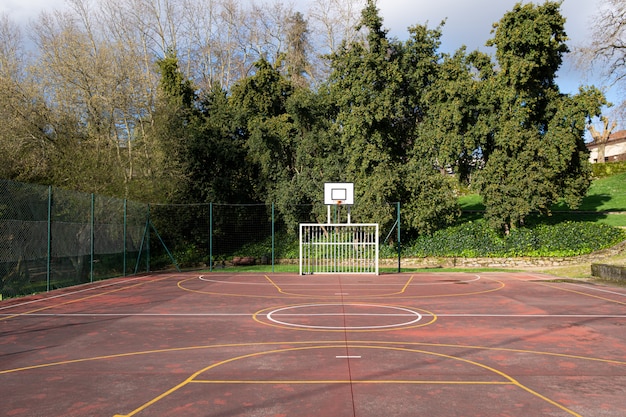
52 238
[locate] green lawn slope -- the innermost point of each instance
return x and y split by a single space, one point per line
605 202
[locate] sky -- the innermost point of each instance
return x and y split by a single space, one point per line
468 22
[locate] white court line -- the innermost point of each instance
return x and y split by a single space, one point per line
280 311
311 283
72 293
578 316
125 314
596 289
465 315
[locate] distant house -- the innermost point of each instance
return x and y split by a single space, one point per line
614 148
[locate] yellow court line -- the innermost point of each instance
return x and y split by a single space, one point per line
192 378
345 297
274 284
581 293
347 381
339 343
407 284
80 299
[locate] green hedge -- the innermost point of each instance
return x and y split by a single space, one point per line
476 239
608 168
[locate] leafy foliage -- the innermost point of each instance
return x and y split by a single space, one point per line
608 169
477 239
393 117
535 154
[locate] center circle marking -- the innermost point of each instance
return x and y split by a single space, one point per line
400 312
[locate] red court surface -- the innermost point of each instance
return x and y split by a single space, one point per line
424 344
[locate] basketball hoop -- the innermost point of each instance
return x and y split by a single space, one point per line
338 194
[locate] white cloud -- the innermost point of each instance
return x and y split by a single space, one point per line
24 11
468 22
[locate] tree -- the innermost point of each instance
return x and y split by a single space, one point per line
174 118
332 23
24 145
269 131
607 46
455 113
535 153
601 138
378 86
217 161
297 49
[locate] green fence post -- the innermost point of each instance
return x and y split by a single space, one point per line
49 250
273 236
156 232
399 242
125 236
210 237
146 232
148 223
93 234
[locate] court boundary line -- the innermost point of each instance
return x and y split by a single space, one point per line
9 316
193 377
341 342
285 294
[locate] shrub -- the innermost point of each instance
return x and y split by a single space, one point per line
476 239
608 168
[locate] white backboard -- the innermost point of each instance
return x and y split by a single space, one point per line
339 193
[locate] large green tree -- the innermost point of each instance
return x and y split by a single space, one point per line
533 148
289 148
378 85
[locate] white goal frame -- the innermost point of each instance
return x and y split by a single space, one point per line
333 248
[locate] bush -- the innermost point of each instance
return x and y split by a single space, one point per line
608 168
476 239
286 246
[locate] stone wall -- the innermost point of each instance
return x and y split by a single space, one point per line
611 272
522 262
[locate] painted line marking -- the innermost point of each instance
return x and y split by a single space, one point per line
111 291
460 315
348 381
407 283
347 357
195 377
274 284
596 289
67 294
271 316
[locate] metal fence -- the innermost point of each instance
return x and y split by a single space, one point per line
334 248
52 238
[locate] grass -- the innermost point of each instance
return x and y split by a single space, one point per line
292 268
603 203
583 270
606 194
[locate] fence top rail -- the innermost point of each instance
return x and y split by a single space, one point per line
339 224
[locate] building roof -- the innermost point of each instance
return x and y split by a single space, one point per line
620 134
614 138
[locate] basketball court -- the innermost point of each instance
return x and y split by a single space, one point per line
341 345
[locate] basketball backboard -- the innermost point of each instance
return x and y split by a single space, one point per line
339 193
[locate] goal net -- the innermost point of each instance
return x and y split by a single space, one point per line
339 248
